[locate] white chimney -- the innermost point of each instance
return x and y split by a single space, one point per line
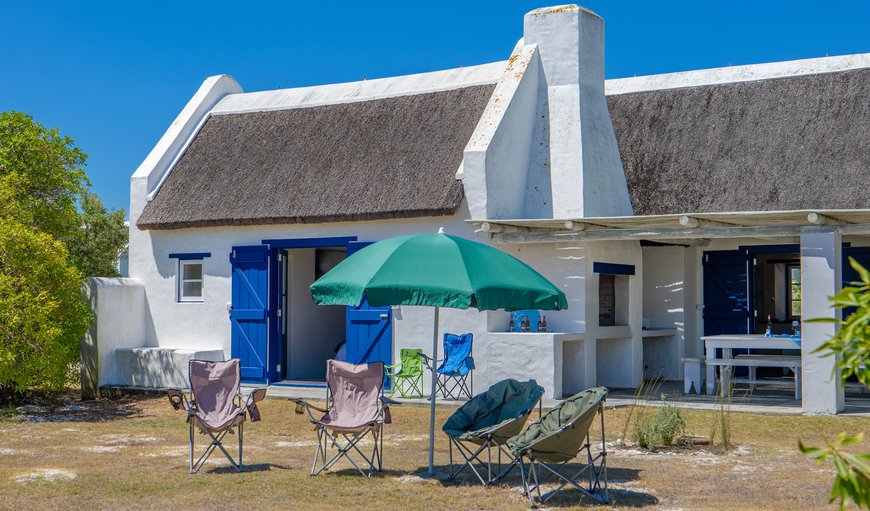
587 178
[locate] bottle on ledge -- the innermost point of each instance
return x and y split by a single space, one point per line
511 324
543 326
769 331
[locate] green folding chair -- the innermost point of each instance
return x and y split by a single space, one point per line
486 422
406 379
547 446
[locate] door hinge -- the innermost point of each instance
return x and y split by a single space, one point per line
280 257
234 253
278 368
754 262
279 313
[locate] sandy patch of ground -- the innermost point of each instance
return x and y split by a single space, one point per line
300 443
45 474
126 439
99 449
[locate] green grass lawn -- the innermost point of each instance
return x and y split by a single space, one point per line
131 453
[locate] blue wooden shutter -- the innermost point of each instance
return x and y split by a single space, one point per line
369 329
249 315
726 305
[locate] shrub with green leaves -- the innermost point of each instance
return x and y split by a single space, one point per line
661 429
851 346
41 310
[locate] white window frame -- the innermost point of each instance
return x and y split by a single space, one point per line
180 280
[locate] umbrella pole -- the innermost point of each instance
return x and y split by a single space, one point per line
432 400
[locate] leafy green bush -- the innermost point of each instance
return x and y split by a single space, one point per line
661 429
851 346
42 312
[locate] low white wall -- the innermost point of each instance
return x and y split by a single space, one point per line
119 307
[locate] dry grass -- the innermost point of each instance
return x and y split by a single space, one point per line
135 458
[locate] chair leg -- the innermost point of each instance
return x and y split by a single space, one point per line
241 431
191 447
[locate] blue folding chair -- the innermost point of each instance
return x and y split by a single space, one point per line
453 378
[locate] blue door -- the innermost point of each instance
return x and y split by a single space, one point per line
726 304
369 329
249 313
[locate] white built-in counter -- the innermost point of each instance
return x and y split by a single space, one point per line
537 355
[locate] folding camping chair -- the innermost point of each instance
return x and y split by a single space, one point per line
408 379
554 440
216 406
355 407
486 422
453 378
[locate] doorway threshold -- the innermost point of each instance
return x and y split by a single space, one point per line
315 384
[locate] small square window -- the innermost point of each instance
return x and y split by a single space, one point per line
190 280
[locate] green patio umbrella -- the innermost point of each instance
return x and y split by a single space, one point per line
437 270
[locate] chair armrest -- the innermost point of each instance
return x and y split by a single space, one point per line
385 409
470 363
179 401
429 362
303 406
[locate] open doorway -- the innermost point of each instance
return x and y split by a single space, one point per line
777 292
310 334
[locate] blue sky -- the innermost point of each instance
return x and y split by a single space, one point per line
114 75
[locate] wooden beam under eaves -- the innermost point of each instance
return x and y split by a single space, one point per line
820 219
693 222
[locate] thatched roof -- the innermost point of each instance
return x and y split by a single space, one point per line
383 158
791 143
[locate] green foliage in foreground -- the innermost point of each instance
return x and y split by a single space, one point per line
853 470
851 346
41 310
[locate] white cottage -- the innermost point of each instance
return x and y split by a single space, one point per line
667 208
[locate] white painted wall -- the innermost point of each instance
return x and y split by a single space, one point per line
664 304
120 312
545 146
587 178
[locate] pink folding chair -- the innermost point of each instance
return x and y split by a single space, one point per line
355 407
216 406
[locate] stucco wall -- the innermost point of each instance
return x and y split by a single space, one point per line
120 316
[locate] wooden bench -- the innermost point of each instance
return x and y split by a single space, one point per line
753 362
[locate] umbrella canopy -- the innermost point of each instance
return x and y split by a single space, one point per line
438 270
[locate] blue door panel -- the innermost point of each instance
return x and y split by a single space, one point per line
369 329
726 305
249 315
